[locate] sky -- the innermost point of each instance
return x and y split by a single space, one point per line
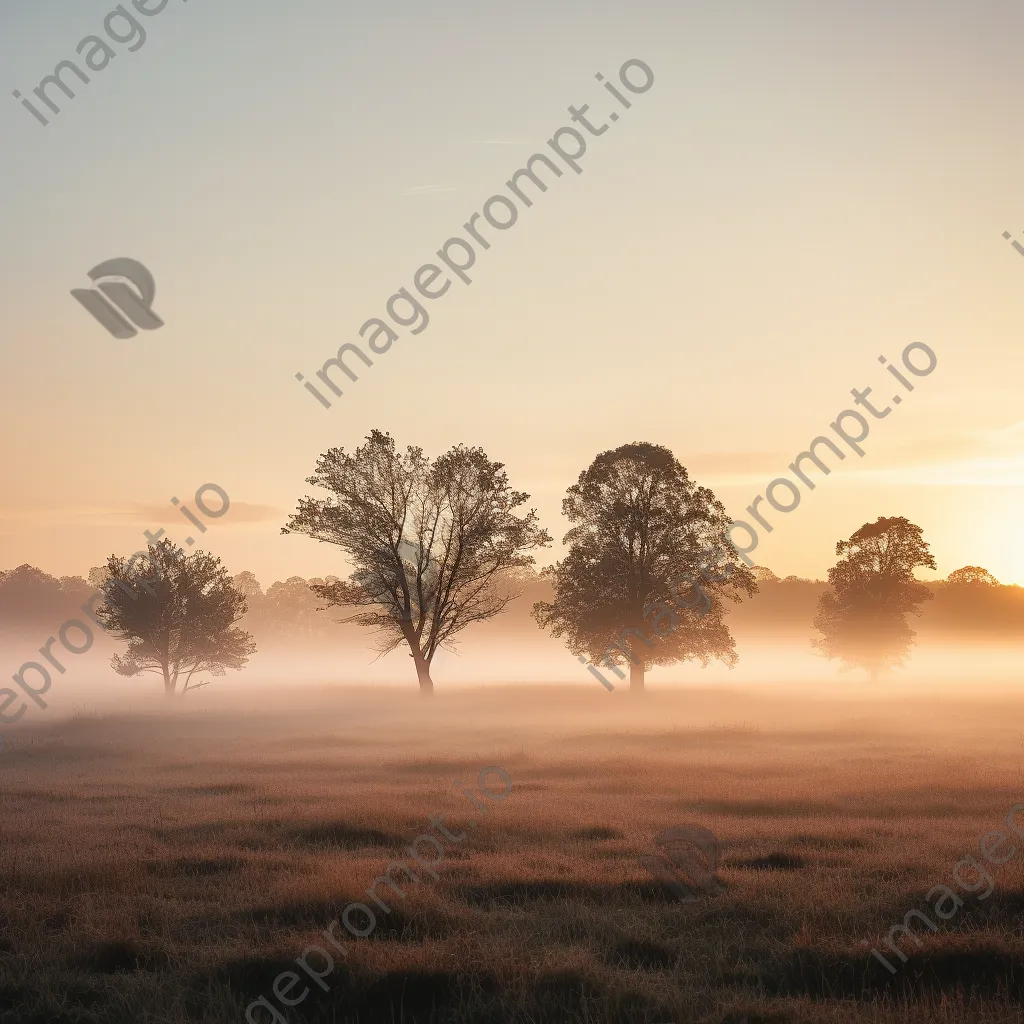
803 189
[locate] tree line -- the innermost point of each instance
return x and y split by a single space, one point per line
439 545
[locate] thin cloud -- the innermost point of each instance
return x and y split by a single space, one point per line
992 457
705 463
239 512
422 190
990 471
156 516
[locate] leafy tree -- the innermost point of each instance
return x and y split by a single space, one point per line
643 529
98 576
247 585
293 611
177 614
973 574
863 618
431 542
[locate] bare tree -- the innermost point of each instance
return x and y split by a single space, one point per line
431 542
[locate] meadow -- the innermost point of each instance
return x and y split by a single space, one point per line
167 867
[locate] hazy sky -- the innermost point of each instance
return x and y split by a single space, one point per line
805 187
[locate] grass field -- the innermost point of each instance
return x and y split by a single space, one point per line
168 868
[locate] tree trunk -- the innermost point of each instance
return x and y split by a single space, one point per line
426 683
168 684
636 677
423 674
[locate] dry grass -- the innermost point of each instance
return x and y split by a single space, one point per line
167 869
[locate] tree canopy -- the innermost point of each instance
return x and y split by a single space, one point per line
177 614
973 574
647 543
863 618
432 543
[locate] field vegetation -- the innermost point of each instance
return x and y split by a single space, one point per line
167 868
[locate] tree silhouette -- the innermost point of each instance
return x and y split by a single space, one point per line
973 574
177 614
642 530
431 542
863 618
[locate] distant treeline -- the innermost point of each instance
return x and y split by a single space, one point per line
33 604
960 612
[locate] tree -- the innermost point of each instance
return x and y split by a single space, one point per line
247 585
863 618
98 575
973 574
431 542
642 530
177 614
293 610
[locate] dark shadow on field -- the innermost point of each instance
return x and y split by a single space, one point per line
121 956
79 999
193 867
422 997
830 843
494 894
274 834
923 802
396 995
341 835
1004 908
980 971
761 809
771 862
309 915
641 955
753 1017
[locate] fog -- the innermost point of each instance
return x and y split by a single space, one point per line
305 675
